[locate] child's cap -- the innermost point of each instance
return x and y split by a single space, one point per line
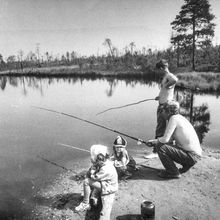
98 149
120 142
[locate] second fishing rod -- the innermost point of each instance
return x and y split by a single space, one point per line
93 123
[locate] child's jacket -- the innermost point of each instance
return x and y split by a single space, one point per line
108 177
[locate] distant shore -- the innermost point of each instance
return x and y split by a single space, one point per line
206 82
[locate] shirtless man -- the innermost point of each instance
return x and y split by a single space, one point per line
185 151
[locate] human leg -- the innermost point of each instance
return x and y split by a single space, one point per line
87 185
169 154
95 195
192 160
107 203
160 129
161 122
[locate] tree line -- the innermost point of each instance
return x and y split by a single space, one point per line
191 49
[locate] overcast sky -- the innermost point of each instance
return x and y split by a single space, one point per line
82 25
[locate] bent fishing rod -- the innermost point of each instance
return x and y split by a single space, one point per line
196 89
90 122
123 106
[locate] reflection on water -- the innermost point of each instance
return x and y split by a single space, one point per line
199 116
26 132
36 82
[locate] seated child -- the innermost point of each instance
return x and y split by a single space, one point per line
123 162
101 177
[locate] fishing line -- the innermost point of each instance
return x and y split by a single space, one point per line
123 106
55 164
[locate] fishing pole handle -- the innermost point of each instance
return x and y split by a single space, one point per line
149 144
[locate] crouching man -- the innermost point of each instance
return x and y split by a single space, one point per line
185 150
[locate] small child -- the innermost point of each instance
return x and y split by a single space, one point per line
102 178
123 162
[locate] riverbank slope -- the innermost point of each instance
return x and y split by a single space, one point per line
195 195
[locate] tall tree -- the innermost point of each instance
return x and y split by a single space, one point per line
193 27
108 42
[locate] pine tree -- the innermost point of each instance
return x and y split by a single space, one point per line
193 27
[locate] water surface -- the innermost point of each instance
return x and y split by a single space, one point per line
26 132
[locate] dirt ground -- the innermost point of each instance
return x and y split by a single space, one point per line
195 196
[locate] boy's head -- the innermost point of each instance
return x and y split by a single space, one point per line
162 64
120 142
98 151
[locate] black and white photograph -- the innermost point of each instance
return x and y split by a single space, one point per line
109 109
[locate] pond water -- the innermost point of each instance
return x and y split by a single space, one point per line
26 132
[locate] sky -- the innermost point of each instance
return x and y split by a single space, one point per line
58 26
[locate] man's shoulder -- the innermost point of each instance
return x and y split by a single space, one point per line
176 117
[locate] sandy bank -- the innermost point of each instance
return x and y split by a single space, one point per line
196 195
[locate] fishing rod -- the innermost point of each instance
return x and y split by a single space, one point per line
123 106
93 123
70 146
196 89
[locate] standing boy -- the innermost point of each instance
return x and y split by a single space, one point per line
166 94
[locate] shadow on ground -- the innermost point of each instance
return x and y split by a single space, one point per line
129 217
60 201
69 201
147 173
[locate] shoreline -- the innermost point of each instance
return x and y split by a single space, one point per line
198 82
193 196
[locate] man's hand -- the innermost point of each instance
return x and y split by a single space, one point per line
157 98
152 143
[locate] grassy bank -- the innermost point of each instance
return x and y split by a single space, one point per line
207 82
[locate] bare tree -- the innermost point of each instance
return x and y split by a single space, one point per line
109 44
20 58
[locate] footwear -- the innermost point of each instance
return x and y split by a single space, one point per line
166 175
82 207
151 155
184 169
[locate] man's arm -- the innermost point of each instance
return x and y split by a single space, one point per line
171 80
169 130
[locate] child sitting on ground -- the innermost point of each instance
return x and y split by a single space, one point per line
123 162
102 178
